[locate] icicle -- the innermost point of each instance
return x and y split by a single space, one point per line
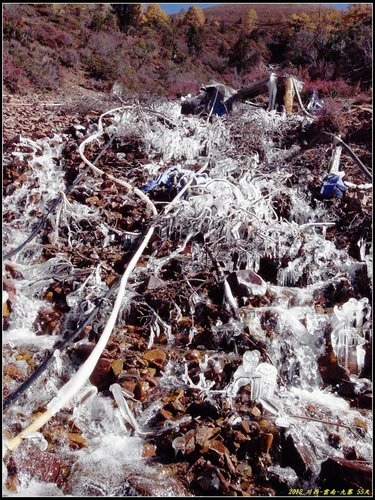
263 382
57 357
124 408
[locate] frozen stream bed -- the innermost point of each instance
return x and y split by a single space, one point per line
238 361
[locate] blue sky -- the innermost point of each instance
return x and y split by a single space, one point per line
172 8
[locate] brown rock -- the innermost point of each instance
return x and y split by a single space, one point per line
142 390
117 366
13 371
149 450
42 466
297 456
340 473
205 433
266 440
47 321
165 414
102 376
331 372
77 440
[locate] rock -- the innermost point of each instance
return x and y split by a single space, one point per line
154 483
117 366
42 466
205 433
155 282
47 321
102 376
77 440
156 357
266 440
15 372
209 479
246 283
149 450
142 390
340 473
297 456
331 372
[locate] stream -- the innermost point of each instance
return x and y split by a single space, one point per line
240 360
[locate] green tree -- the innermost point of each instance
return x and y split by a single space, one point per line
194 39
127 14
238 56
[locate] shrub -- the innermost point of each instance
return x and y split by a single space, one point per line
330 88
102 55
14 78
101 67
42 68
103 21
69 58
183 87
214 61
53 37
330 118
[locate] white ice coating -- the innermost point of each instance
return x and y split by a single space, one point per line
40 187
233 202
348 336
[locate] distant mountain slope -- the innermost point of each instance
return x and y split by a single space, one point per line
267 12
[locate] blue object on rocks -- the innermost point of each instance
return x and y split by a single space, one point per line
333 186
167 178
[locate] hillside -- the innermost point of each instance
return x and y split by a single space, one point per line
50 47
268 12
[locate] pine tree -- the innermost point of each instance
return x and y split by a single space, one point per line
127 14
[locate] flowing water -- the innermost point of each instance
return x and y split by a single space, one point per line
251 211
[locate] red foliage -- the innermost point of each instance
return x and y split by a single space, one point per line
13 76
53 37
330 88
183 87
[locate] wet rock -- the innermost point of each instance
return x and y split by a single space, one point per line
15 273
351 453
15 371
205 433
142 390
155 282
155 358
216 450
158 483
209 479
149 450
77 441
117 366
331 372
102 376
42 466
334 440
281 479
266 440
340 473
47 321
204 408
297 455
364 400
